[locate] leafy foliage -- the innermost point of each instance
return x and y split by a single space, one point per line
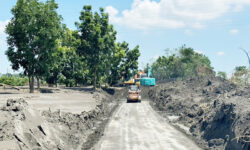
222 74
241 76
46 49
130 63
146 68
185 63
106 60
67 66
124 62
97 41
32 34
14 80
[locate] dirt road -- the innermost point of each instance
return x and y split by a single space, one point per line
136 126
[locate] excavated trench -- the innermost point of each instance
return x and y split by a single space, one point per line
213 111
24 127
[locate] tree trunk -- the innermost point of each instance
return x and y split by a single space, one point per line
95 79
38 83
32 84
29 81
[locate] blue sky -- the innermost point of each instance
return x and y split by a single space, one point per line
216 28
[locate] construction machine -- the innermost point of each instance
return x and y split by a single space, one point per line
146 79
134 94
130 81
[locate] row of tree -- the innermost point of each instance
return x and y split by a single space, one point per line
182 64
241 76
186 63
46 49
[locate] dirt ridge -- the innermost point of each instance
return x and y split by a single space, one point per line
215 111
26 128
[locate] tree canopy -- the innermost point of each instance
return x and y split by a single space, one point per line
98 48
240 75
124 62
46 49
222 74
32 34
185 63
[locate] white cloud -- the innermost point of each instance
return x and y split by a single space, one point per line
220 53
198 51
234 31
112 14
2 26
238 8
145 14
2 33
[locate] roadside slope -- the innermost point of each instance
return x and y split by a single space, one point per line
24 127
215 112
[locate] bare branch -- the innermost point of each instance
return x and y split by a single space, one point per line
247 55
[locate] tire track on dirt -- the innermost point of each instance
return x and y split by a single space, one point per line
138 126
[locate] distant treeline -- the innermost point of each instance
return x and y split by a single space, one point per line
47 50
14 80
186 63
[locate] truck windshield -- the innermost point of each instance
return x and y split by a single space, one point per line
133 88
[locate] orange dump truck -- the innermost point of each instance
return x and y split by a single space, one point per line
134 94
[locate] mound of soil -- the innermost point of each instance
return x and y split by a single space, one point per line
216 112
24 127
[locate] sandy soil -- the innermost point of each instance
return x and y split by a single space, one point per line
68 119
67 100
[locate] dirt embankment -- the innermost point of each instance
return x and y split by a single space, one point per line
215 112
24 127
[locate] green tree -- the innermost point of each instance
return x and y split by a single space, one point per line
67 65
222 74
124 62
147 67
32 34
195 64
240 75
186 63
129 64
13 80
97 41
168 67
116 62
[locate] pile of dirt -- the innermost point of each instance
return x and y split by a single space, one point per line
24 127
215 111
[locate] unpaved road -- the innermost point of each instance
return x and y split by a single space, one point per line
136 126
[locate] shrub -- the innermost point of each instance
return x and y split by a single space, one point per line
14 80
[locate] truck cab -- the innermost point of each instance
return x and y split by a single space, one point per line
134 94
